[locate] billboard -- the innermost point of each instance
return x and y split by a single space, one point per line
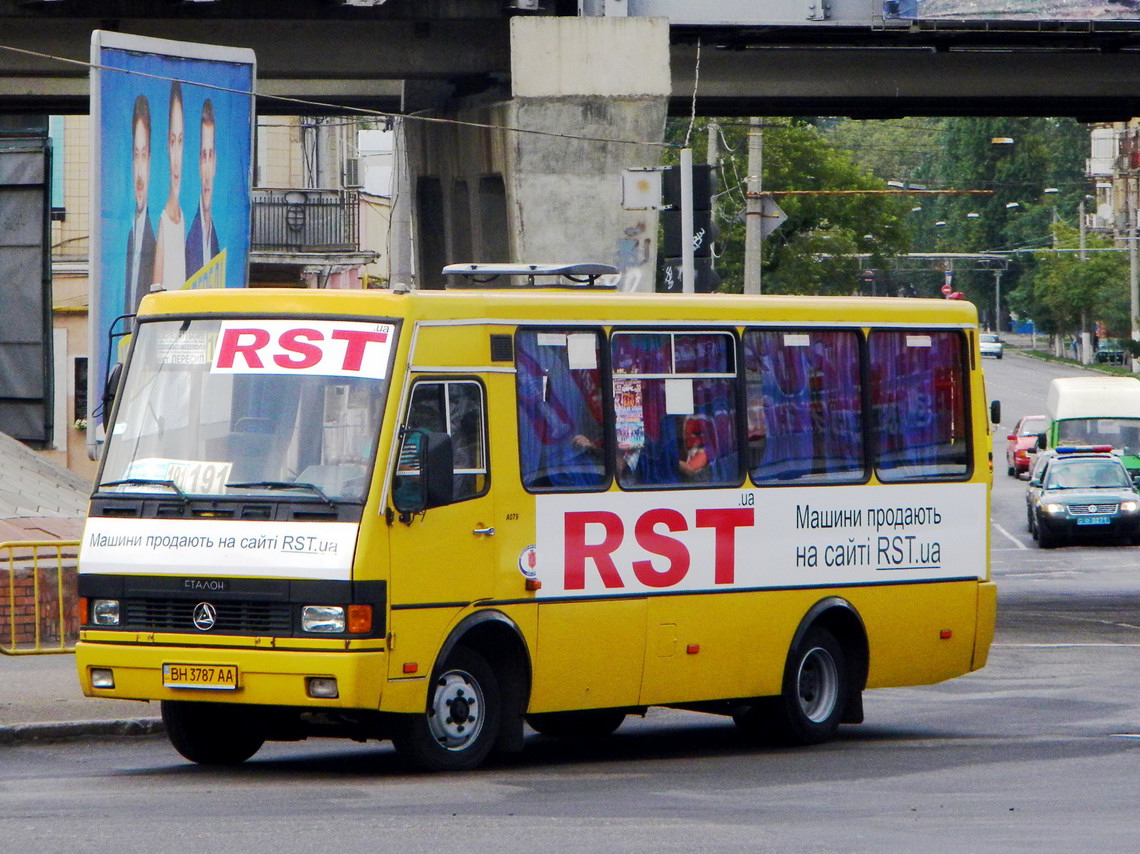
1010 10
172 128
869 13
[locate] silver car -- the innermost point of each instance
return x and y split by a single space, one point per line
990 344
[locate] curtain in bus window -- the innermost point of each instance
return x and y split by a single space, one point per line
675 408
560 410
918 398
805 401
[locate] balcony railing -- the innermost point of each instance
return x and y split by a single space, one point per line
305 221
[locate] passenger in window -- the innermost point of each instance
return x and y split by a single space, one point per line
694 462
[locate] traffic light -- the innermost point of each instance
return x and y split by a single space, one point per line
705 230
706 281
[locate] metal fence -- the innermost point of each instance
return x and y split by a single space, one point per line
305 221
39 605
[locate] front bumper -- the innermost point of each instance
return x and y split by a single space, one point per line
265 676
1068 526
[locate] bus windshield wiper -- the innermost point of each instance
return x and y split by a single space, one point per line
148 481
282 484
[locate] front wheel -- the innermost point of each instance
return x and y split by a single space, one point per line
459 727
212 733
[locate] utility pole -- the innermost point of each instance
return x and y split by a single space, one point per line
1086 338
1083 229
754 209
712 156
688 267
997 301
402 249
1133 270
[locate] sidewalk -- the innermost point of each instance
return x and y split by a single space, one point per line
41 700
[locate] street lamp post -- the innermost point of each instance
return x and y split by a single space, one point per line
997 301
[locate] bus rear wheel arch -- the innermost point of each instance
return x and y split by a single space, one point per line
824 675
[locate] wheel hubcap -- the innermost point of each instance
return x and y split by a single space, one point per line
818 685
455 716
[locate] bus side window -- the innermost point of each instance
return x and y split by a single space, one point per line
918 397
675 408
559 386
455 407
805 406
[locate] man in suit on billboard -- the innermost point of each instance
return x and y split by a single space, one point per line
140 242
202 240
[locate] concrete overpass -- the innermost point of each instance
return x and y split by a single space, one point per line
755 59
573 73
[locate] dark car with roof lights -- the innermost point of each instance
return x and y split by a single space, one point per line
1082 492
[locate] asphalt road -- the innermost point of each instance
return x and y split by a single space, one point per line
1038 752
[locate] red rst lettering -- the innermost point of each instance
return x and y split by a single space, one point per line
725 521
659 544
231 345
307 354
357 340
578 551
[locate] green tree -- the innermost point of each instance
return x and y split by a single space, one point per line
1064 294
815 250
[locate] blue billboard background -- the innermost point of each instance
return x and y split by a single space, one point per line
124 75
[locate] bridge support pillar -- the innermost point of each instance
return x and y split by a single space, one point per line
588 101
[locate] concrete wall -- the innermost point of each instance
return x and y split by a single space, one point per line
588 100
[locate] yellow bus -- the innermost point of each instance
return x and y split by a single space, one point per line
436 516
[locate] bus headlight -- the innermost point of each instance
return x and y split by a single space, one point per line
105 612
355 619
322 618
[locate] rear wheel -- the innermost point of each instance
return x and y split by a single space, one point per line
592 723
459 727
810 708
212 733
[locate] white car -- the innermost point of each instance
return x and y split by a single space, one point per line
991 345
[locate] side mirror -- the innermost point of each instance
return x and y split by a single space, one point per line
995 412
110 391
1042 442
1011 436
425 473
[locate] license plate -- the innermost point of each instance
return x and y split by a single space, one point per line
1094 520
215 677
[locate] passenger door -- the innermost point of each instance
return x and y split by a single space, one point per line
444 558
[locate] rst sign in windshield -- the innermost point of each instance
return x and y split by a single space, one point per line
325 348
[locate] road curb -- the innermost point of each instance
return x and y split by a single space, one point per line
65 730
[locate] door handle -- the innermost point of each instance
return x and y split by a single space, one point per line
489 532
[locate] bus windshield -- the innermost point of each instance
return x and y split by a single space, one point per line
224 407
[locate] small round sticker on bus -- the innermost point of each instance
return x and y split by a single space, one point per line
528 562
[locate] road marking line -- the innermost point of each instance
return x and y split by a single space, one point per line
1010 536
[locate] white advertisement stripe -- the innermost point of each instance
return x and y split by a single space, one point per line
218 548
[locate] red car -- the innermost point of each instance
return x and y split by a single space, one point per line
1021 443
